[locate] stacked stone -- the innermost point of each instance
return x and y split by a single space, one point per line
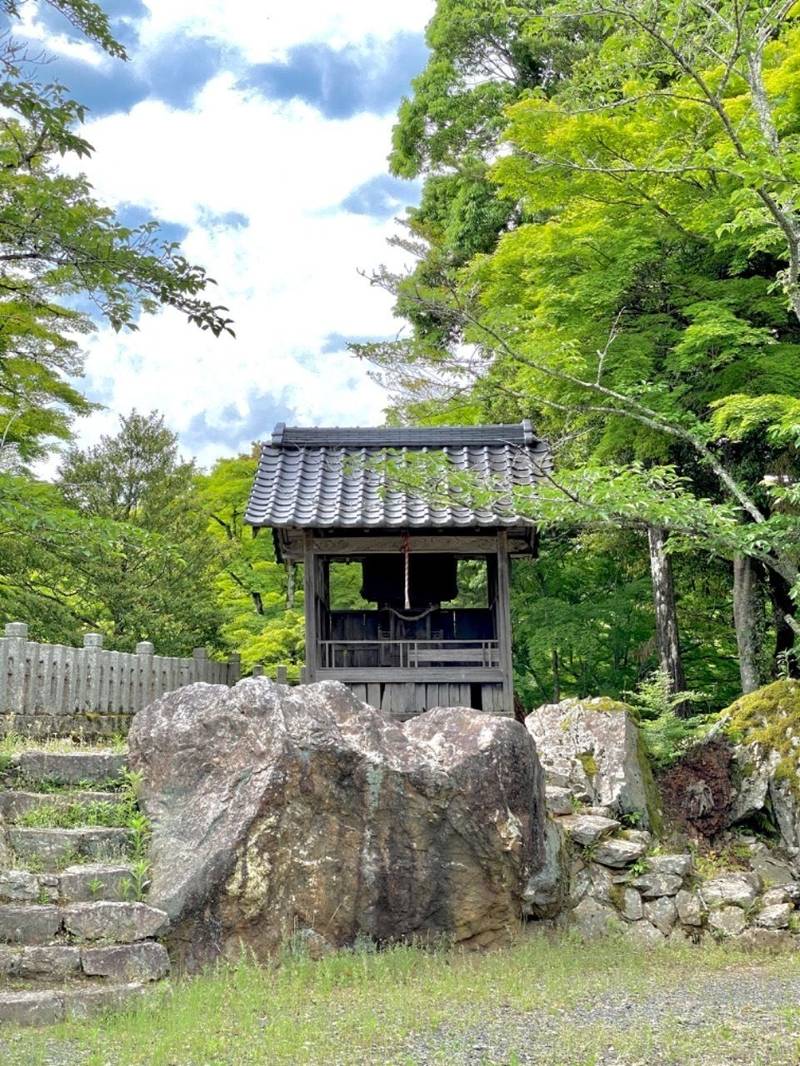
71 940
600 875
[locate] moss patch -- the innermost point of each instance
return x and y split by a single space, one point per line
588 762
770 716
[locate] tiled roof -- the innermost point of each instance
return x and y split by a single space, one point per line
326 478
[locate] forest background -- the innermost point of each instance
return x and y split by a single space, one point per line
608 243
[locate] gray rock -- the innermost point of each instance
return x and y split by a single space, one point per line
739 889
311 943
775 916
591 918
728 920
94 881
662 913
640 836
631 906
52 960
124 922
28 923
145 961
603 884
776 895
595 744
9 961
580 884
31 1008
652 885
71 768
691 909
558 800
679 865
588 829
771 868
277 808
18 886
767 940
547 890
618 852
646 933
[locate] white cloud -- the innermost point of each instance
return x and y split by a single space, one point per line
290 278
263 31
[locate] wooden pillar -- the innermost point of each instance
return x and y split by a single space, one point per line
310 597
504 621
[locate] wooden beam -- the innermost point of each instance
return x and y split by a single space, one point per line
400 674
310 601
450 544
504 621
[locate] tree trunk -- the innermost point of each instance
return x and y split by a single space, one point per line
748 618
556 677
667 637
782 605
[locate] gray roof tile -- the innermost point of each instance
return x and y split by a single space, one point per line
319 477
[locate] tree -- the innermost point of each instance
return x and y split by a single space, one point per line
635 307
262 614
58 247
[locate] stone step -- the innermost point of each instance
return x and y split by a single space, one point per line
69 767
144 960
33 1007
50 848
40 924
77 884
14 804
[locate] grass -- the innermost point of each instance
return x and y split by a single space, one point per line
15 743
405 1005
98 813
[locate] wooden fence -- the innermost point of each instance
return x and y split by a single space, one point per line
54 690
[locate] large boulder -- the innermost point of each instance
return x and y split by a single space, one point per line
764 728
276 811
593 746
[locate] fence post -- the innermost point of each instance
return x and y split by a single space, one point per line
145 651
234 668
92 646
16 636
200 656
281 675
303 675
258 670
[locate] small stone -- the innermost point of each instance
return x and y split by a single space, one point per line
645 933
774 896
580 885
775 916
592 918
631 906
18 886
124 922
587 829
28 924
558 800
729 920
652 885
145 961
9 962
662 913
93 881
312 943
679 865
599 811
690 908
31 1008
603 884
53 960
618 852
738 889
640 836
86 1001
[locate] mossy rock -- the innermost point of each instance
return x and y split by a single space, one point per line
769 717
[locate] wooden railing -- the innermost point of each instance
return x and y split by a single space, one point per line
405 654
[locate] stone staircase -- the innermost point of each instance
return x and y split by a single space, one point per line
75 936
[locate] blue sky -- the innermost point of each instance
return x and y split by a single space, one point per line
257 135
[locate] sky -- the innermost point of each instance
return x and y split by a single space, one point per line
257 135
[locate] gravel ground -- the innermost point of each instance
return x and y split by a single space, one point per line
736 1018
